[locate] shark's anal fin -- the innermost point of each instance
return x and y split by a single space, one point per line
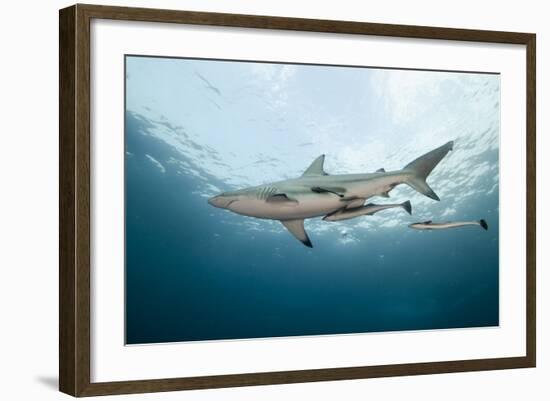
282 199
296 228
335 191
316 168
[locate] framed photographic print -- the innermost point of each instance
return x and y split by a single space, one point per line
250 200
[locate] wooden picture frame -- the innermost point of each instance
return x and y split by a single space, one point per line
74 199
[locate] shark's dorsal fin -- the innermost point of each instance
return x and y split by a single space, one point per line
380 170
281 199
296 228
316 168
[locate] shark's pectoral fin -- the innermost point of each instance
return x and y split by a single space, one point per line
282 199
335 191
296 228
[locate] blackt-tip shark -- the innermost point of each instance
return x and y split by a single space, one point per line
430 225
316 193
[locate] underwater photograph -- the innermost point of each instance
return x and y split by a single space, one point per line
268 199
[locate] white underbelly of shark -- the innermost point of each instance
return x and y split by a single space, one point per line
303 209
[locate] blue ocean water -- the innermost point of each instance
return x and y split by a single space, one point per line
198 127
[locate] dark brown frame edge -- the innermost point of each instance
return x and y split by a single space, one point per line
74 199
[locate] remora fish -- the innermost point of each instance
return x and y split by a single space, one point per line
367 210
316 193
429 225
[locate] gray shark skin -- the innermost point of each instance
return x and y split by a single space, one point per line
430 225
316 193
367 210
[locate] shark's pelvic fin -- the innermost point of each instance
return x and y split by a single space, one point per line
423 166
356 203
281 199
296 228
316 168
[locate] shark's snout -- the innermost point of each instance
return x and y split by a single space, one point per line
221 201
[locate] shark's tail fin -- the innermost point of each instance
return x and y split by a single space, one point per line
407 206
483 224
423 166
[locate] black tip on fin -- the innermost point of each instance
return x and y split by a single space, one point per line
434 196
307 243
407 206
483 224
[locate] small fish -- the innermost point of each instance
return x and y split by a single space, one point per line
429 225
367 210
